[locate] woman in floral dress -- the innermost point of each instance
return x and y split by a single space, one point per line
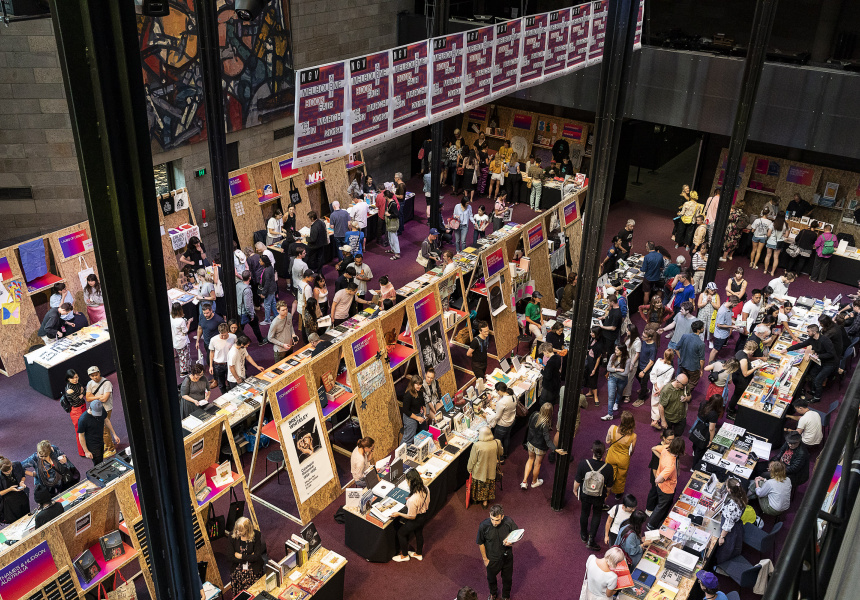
733 234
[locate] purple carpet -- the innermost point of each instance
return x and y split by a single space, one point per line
549 562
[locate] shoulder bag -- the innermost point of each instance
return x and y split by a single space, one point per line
236 510
421 260
295 197
215 525
85 271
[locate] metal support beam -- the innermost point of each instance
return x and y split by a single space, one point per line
440 27
216 138
614 76
100 59
765 11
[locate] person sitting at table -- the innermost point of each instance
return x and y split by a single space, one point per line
360 460
774 494
14 493
386 289
414 519
246 555
274 227
412 410
194 390
46 466
795 456
808 423
73 324
798 207
51 328
60 295
48 510
534 316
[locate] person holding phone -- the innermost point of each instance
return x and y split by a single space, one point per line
14 494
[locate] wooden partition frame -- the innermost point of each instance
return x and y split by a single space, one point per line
311 194
505 326
16 340
448 381
451 332
539 267
337 179
70 267
573 231
173 221
247 211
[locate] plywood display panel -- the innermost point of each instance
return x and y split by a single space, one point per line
315 197
505 326
104 513
573 232
539 269
448 380
210 453
49 534
336 182
16 339
245 210
168 222
68 268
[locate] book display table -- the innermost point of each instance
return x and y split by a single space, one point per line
331 588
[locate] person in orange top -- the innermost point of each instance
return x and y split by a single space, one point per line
665 482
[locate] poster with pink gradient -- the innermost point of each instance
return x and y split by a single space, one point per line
558 31
5 269
425 309
239 184
571 213
534 50
27 573
369 78
478 76
410 66
292 396
495 263
365 348
536 236
75 243
320 116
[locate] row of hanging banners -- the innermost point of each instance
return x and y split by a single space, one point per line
349 105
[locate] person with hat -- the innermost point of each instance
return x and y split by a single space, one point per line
91 428
101 389
47 510
428 247
710 585
534 316
348 258
363 274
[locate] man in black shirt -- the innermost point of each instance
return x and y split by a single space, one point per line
626 235
317 242
318 344
551 374
821 348
91 427
611 323
592 500
497 554
478 350
207 327
342 281
48 509
798 207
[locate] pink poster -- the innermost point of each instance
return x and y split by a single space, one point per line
800 175
556 43
447 71
365 348
506 64
25 574
239 184
495 263
411 87
5 269
535 236
75 243
577 41
320 114
479 66
291 397
369 100
534 50
425 309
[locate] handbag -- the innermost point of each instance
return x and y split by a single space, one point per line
421 260
469 491
123 591
215 525
85 272
793 250
69 474
236 510
697 434
461 171
295 197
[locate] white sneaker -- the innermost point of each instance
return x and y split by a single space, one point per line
606 418
722 259
537 483
398 558
415 555
524 486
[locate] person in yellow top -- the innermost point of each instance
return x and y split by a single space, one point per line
505 151
497 178
689 210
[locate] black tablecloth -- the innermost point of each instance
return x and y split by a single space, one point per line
762 424
408 208
549 197
379 544
842 270
51 381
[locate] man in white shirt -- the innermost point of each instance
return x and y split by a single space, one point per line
299 267
358 213
105 396
236 361
749 314
219 347
780 285
448 261
808 423
506 409
363 274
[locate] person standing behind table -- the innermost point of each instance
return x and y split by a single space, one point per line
748 317
246 555
195 255
93 299
593 480
246 308
477 351
339 220
621 442
483 463
824 248
73 323
60 295
360 460
275 227
703 430
14 493
539 441
536 174
50 329
820 347
92 428
448 261
731 540
392 223
496 552
568 294
47 465
194 390
101 389
281 333
681 324
506 409
774 492
317 242
236 358
207 327
652 270
412 410
219 348
179 331
665 482
691 350
674 399
723 326
780 284
47 509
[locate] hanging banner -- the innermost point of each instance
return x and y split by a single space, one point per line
307 451
640 18
556 43
320 115
506 61
577 42
409 98
599 12
534 51
447 72
370 92
479 66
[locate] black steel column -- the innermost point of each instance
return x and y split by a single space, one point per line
216 137
765 11
99 54
440 27
614 75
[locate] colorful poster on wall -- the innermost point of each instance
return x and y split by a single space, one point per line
800 175
577 39
75 243
11 313
478 70
370 379
447 73
369 100
761 166
410 65
286 168
432 348
571 213
23 575
5 269
534 50
365 348
307 451
292 396
506 61
495 262
558 31
425 309
535 235
597 36
239 184
640 19
320 114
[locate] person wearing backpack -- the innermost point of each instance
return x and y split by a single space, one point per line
593 480
665 481
824 248
248 316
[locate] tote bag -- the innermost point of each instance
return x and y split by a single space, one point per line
85 272
123 591
295 197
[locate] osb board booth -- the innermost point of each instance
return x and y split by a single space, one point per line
336 181
73 252
537 251
499 294
513 242
19 325
289 179
45 555
245 203
136 531
570 220
375 400
427 324
452 286
304 441
173 220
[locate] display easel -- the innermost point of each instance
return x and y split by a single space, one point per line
400 348
426 304
250 206
452 332
535 247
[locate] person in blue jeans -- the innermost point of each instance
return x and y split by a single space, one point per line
269 291
463 213
412 410
619 370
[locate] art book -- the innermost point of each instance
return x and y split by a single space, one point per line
623 573
671 577
662 591
642 578
637 591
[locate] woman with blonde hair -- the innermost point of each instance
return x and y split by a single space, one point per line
482 466
538 443
207 290
600 580
620 443
774 494
661 374
247 548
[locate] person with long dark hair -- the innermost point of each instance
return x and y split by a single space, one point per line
630 537
268 290
310 317
93 299
705 427
74 402
619 371
539 441
14 493
179 331
414 519
592 363
731 540
774 243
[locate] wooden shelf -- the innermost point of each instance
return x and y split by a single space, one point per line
269 198
496 137
758 191
312 183
108 567
542 146
354 166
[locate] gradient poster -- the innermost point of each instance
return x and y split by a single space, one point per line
799 175
75 243
556 43
26 573
478 76
320 114
534 50
571 213
411 87
292 396
447 70
597 37
365 348
506 61
495 263
640 18
535 236
577 41
286 168
239 184
425 309
370 92
5 269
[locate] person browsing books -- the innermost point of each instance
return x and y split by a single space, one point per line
496 551
600 580
593 480
414 519
359 462
710 585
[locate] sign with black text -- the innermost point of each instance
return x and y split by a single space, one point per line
479 66
320 114
556 43
369 86
410 90
506 61
577 41
534 50
597 36
447 71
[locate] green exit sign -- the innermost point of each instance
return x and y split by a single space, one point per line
200 172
